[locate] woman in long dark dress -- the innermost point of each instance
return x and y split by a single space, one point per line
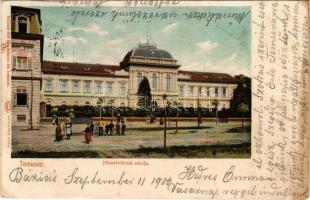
123 126
58 133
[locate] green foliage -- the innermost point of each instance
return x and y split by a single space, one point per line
144 95
106 111
242 94
243 108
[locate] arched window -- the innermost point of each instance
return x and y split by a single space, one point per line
154 81
87 103
22 24
168 82
139 79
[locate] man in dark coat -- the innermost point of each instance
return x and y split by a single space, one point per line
111 126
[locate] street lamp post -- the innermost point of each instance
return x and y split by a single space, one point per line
165 122
198 112
177 120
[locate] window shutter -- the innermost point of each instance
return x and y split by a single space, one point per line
14 62
29 63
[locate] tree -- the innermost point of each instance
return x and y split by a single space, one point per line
242 94
144 95
215 103
243 108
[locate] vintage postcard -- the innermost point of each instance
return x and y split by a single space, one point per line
155 99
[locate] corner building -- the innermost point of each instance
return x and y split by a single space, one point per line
27 56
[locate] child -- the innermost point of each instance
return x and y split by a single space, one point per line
87 135
68 129
161 121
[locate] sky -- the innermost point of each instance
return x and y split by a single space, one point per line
222 46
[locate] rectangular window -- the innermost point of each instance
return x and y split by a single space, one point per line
208 91
199 91
224 91
109 87
75 86
63 86
216 91
98 87
122 89
191 90
21 118
181 88
87 87
48 85
20 63
21 97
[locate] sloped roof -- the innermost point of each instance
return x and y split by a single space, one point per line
208 77
82 69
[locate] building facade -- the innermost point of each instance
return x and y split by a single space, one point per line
38 85
27 54
83 84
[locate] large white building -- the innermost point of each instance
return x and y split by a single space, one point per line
82 83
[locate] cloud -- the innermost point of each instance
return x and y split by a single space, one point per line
204 48
232 57
229 66
115 41
170 27
74 40
121 27
91 28
207 45
232 69
114 49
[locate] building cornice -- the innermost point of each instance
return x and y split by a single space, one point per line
47 72
206 81
156 65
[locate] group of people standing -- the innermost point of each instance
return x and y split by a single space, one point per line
63 128
120 126
107 127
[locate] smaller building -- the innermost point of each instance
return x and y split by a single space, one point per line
27 54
